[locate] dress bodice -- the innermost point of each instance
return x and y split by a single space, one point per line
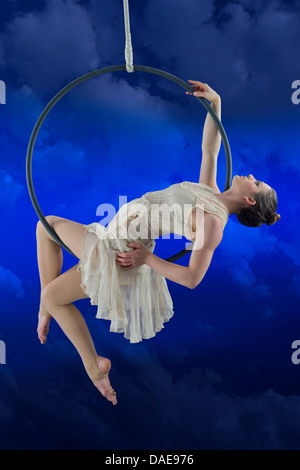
177 204
206 195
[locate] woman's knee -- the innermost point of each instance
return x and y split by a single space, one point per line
63 290
40 229
49 296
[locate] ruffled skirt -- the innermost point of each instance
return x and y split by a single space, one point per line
137 301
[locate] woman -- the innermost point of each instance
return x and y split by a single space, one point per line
118 270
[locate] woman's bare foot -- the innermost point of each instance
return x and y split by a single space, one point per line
102 383
43 325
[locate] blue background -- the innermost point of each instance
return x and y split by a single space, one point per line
219 375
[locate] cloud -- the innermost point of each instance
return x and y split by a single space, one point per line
2 61
36 40
203 413
195 408
241 273
260 30
254 241
227 46
224 44
11 191
295 284
52 158
10 284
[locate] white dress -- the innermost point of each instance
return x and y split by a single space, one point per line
137 301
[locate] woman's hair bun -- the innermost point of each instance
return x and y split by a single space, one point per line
274 218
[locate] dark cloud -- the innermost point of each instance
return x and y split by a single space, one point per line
240 56
58 42
196 410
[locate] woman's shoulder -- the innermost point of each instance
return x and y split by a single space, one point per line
199 185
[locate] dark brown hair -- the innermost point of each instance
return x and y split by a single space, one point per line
263 212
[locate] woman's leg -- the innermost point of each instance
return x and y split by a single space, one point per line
50 258
57 297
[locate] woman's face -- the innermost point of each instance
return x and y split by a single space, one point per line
248 185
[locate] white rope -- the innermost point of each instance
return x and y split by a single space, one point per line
128 44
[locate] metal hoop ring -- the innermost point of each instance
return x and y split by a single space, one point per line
78 81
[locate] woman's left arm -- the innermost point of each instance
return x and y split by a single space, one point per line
211 141
189 276
173 272
140 255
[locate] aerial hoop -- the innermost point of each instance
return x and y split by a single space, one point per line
88 76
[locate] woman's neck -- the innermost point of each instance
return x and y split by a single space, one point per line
228 198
